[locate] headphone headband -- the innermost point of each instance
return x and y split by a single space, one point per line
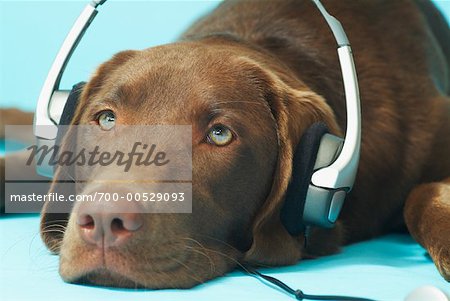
46 119
341 174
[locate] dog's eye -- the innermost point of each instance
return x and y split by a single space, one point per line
220 135
106 120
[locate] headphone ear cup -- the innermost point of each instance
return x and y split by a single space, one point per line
68 112
304 203
303 165
71 104
322 206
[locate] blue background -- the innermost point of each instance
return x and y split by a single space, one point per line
31 33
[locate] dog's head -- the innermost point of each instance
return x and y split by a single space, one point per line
258 111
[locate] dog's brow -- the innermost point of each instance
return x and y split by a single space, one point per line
220 108
120 92
106 96
214 111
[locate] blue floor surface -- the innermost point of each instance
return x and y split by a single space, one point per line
387 268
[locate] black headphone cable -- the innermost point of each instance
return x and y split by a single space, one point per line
298 294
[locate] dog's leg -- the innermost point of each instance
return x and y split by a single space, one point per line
427 208
427 216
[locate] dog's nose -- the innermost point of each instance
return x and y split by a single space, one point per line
108 224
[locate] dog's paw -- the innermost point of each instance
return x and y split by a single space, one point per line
441 258
427 213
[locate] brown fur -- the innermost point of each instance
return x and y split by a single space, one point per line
271 68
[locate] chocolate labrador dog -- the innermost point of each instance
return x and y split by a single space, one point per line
257 74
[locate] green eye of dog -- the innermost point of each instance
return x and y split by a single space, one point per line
220 135
106 120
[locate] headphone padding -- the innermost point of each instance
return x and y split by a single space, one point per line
71 104
303 164
69 111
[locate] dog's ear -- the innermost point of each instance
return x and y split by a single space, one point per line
295 108
53 222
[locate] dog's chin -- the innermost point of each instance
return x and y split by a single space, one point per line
183 274
104 277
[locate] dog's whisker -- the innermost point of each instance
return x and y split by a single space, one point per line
56 226
195 249
53 230
216 251
228 257
212 265
53 227
190 273
218 240
55 222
